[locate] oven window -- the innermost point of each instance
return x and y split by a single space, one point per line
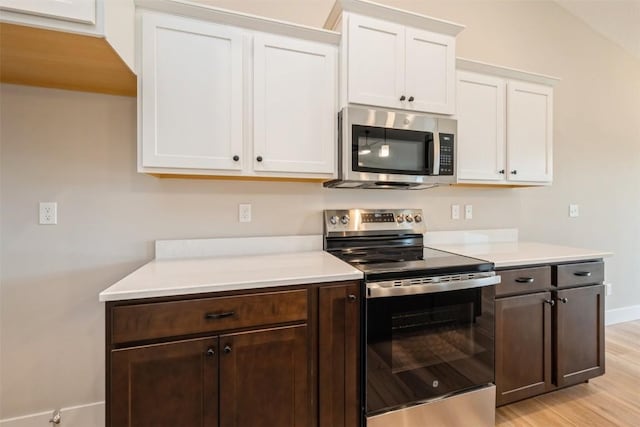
383 150
427 346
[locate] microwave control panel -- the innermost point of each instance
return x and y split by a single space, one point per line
446 154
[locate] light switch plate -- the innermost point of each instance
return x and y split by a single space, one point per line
468 211
455 211
574 211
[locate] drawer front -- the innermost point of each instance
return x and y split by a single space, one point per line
579 273
524 280
174 318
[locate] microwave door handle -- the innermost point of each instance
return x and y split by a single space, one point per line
436 154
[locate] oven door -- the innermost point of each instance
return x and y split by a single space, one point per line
421 347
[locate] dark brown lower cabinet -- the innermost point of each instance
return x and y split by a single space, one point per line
579 320
547 340
287 357
172 384
523 346
338 359
264 378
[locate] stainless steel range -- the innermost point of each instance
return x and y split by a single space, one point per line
428 346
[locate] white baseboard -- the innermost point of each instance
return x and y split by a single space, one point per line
624 314
89 415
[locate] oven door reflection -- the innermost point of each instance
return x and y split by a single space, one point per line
427 346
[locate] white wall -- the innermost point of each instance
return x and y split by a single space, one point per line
79 149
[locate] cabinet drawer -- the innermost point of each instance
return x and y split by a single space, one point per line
580 273
524 280
166 319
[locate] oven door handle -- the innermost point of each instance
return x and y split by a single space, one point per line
392 288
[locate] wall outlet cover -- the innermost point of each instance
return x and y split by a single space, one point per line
468 211
48 213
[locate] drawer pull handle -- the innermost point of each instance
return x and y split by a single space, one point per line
524 280
213 316
582 273
564 300
227 349
550 302
211 352
352 298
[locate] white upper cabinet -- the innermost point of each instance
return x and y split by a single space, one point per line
72 10
394 58
530 132
228 98
376 74
481 127
113 20
294 105
505 125
430 71
191 94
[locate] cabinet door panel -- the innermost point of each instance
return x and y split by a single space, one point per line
338 371
580 334
481 127
376 69
264 378
72 10
294 105
174 384
192 94
523 347
430 71
529 132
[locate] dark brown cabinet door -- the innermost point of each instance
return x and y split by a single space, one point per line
523 346
264 378
339 325
173 384
579 318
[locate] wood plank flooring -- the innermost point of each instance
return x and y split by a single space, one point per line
610 400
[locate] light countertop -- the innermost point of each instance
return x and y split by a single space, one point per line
169 277
510 254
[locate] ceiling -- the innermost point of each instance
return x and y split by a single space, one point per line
617 20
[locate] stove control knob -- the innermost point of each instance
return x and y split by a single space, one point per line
418 218
345 219
334 219
409 218
400 219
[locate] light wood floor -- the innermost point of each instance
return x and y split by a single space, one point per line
610 400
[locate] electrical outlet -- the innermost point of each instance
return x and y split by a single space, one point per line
48 213
468 211
244 212
609 287
455 211
574 211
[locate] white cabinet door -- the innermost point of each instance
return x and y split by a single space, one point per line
481 127
529 132
191 94
376 73
294 110
430 72
72 10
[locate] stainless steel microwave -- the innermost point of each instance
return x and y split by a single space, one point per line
391 149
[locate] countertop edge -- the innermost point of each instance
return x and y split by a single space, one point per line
551 260
221 287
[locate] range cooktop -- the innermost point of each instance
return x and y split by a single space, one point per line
387 244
